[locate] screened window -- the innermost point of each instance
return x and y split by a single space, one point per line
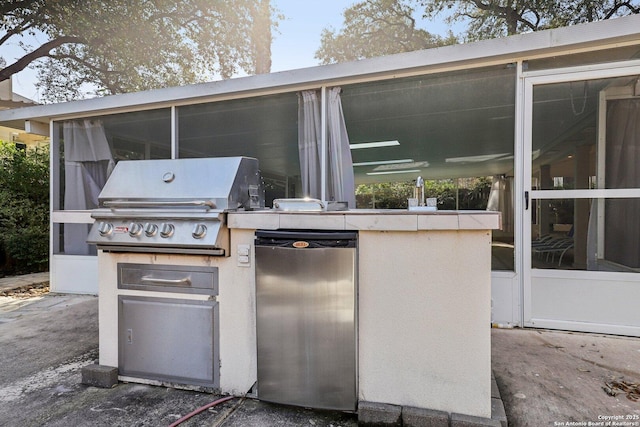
262 127
89 148
455 130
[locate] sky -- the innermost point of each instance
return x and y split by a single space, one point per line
294 44
299 33
298 36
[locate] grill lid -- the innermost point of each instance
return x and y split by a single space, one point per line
174 206
223 183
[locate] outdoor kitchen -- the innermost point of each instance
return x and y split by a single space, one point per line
318 278
307 303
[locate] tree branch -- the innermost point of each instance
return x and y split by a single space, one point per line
12 32
40 52
619 6
7 7
511 16
107 77
84 63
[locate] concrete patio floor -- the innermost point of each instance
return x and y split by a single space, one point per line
546 378
555 378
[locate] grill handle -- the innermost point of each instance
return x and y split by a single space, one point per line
150 280
158 204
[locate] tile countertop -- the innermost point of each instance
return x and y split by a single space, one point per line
365 219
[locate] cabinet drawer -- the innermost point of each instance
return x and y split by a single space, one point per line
168 278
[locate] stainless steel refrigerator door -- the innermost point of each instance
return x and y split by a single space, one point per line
306 326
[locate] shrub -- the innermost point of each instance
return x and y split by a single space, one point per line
24 209
471 194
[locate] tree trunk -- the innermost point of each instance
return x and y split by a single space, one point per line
261 38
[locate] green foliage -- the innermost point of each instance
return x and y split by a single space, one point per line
107 47
471 194
497 18
382 27
24 209
375 28
386 195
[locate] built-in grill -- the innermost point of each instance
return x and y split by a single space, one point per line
174 206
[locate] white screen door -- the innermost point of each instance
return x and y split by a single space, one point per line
581 223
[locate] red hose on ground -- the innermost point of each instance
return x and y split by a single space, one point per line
197 411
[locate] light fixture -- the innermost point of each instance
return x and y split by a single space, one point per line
377 144
476 159
392 172
414 165
383 162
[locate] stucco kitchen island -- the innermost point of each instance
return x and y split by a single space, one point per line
423 303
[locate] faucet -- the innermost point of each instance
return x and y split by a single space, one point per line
419 191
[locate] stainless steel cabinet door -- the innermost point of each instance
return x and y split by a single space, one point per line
171 340
306 326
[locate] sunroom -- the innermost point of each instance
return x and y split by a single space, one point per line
543 127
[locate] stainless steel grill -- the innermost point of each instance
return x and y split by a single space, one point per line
174 206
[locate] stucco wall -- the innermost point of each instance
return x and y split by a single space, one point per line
424 320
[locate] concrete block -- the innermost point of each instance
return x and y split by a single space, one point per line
498 412
460 420
100 376
420 417
373 414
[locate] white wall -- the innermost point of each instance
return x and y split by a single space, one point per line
506 309
424 320
74 274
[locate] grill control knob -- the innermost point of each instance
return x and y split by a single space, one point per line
150 229
105 228
166 230
135 229
199 230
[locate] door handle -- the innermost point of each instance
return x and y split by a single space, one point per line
150 280
526 200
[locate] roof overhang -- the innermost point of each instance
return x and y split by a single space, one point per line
577 38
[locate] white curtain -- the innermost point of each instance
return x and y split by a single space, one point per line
341 182
309 142
501 200
622 225
88 163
